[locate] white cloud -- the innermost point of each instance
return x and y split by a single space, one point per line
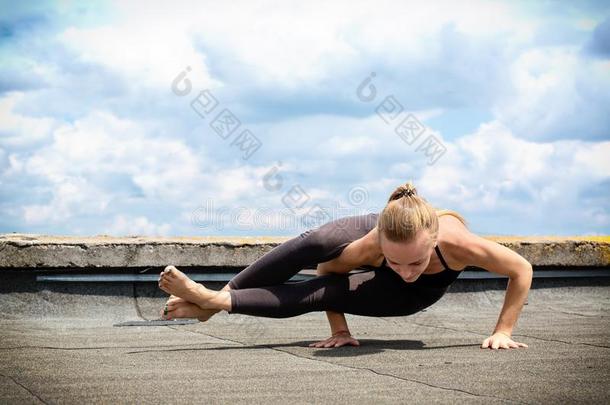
333 136
493 171
281 44
98 133
17 130
138 225
98 146
87 159
103 143
71 197
147 52
554 93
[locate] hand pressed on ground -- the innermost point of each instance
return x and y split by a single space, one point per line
501 340
339 340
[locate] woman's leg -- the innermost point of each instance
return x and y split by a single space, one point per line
274 267
287 259
370 293
306 250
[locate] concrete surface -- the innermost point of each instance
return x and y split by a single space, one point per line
58 345
40 251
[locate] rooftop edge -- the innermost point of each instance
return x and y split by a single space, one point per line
21 250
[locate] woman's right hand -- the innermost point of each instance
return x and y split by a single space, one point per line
339 340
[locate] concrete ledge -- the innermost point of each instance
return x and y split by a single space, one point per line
50 251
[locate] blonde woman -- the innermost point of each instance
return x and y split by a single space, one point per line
411 252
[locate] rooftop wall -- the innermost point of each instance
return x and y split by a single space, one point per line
41 251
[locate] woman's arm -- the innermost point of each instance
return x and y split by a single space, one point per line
354 255
340 334
338 323
337 320
496 258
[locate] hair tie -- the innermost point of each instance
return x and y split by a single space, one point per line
406 193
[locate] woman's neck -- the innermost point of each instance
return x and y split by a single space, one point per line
373 249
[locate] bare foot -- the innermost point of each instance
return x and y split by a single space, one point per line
175 282
185 309
194 311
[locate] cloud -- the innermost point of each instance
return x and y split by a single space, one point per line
99 161
71 197
554 94
19 131
102 165
426 59
599 44
539 186
140 53
91 136
136 225
486 172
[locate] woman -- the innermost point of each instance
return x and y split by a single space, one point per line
406 271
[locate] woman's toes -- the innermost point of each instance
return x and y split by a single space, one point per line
162 280
166 272
185 310
176 314
170 307
175 300
164 311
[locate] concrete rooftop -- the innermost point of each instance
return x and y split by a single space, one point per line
59 344
69 342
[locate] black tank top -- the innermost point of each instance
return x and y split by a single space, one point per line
441 279
437 280
348 229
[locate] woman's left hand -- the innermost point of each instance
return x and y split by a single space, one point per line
501 340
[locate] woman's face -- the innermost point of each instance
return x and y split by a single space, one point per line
408 260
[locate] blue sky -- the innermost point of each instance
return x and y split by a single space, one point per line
497 109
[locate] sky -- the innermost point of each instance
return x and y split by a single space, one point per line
269 118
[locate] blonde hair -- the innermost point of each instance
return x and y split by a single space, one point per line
407 213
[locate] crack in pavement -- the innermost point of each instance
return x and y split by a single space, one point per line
432 326
82 348
517 335
364 368
24 387
574 313
583 315
563 341
205 334
135 303
354 367
399 378
489 301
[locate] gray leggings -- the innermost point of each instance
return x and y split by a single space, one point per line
261 289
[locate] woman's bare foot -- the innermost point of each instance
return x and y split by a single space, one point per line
175 282
184 309
193 311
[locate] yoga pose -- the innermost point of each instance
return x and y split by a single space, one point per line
405 271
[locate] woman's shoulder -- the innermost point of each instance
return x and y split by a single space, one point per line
451 237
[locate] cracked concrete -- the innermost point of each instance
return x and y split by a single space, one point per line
57 344
344 366
101 251
24 387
